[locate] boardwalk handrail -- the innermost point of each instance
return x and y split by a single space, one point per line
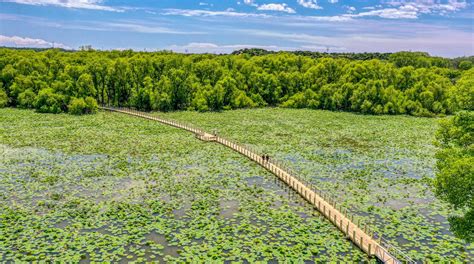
348 223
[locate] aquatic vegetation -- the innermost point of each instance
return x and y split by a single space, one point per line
110 187
379 167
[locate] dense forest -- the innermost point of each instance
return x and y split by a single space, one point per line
411 83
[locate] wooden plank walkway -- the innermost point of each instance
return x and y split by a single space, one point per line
359 236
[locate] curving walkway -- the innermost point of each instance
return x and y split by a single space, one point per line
358 235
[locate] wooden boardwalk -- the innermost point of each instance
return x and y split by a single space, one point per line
359 236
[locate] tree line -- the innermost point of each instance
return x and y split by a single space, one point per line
411 83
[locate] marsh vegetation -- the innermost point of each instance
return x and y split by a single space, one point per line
109 187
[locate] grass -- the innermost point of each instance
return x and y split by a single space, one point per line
109 187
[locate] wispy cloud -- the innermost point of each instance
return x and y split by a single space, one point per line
208 13
139 27
250 2
310 4
78 4
412 9
16 41
408 12
121 25
277 7
438 40
230 13
431 6
341 18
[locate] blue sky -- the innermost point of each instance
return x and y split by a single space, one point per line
440 27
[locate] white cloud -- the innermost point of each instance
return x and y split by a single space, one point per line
351 9
119 25
432 6
205 4
384 36
208 13
342 18
407 12
333 1
79 4
250 2
230 13
309 4
15 41
412 9
132 26
277 7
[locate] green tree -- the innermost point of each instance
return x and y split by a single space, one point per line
3 98
215 97
49 102
454 181
465 90
465 65
402 83
242 101
143 98
85 86
77 106
26 99
160 97
81 106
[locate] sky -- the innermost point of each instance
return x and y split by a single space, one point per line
439 27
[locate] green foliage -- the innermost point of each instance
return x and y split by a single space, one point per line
26 99
306 99
465 65
49 102
81 106
417 60
3 98
411 83
242 101
85 86
77 106
465 90
455 178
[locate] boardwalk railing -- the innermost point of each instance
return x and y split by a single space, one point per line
359 233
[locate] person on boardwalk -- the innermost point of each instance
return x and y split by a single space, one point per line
265 158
